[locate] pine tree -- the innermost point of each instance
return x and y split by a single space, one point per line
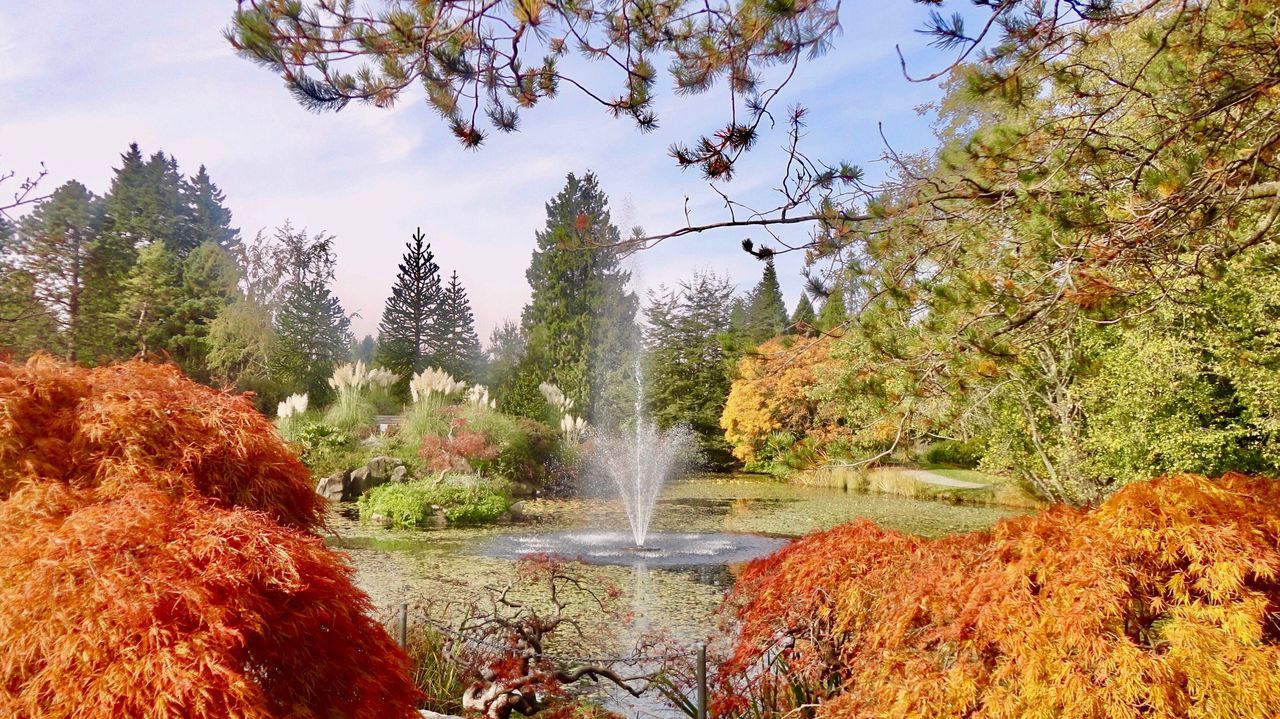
26 325
61 249
580 320
687 373
312 332
145 314
503 357
363 350
410 334
766 311
834 314
460 353
208 285
804 319
210 219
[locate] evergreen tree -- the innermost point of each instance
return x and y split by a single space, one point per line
410 335
61 250
834 314
766 311
145 315
804 319
580 320
363 350
503 357
687 373
460 352
312 333
210 219
208 285
25 325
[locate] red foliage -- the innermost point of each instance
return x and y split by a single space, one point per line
461 451
113 427
146 571
1163 602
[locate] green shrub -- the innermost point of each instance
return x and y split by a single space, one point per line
411 504
955 453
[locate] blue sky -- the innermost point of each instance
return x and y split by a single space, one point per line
80 81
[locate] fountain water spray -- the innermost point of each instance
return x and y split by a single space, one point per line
640 460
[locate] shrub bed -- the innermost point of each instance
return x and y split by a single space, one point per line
468 501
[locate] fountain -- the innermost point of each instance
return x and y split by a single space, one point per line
639 462
634 463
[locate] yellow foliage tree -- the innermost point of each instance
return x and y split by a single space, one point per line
771 394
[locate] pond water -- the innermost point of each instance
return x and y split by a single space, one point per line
751 515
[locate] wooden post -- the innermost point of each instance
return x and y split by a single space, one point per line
404 625
702 680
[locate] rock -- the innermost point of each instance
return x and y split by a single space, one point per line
517 510
332 487
399 474
357 483
381 520
428 714
381 467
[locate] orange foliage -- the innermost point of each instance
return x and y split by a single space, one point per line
770 393
154 560
139 422
1164 602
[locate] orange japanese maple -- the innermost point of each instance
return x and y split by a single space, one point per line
155 559
1163 602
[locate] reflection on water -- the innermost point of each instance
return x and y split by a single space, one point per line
449 565
397 565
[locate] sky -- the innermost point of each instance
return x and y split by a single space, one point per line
80 81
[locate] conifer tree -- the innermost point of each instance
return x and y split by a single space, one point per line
209 216
687 374
61 249
410 334
312 332
145 315
580 320
804 319
25 324
834 314
766 311
460 352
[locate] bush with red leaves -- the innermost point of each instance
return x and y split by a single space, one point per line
1164 602
155 560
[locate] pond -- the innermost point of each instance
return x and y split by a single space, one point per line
454 565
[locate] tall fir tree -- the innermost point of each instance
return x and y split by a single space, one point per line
460 353
312 332
580 320
62 250
209 216
687 374
767 311
410 334
804 319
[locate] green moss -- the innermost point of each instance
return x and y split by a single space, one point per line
413 503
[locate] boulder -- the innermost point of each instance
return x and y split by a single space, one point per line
381 520
333 487
517 510
399 474
381 467
358 483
